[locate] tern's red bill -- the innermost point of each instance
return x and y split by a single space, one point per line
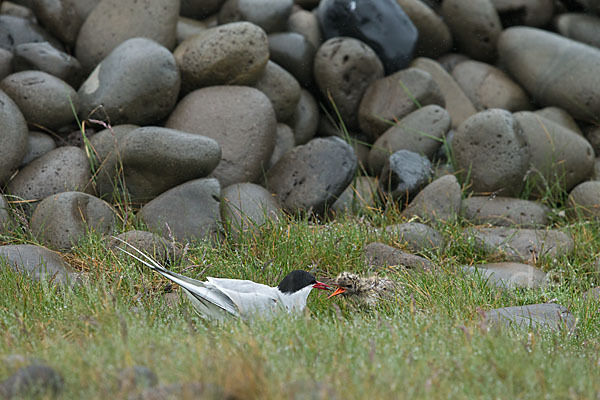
321 285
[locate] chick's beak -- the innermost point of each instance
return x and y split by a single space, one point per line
321 285
339 290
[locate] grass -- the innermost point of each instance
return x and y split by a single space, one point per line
428 342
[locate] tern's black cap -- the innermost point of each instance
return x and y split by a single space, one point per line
295 281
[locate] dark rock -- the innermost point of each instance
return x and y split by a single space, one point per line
38 144
106 142
306 23
438 201
295 53
505 211
536 13
435 38
6 63
281 88
534 316
381 255
416 237
405 174
270 15
37 263
32 382
509 275
63 18
361 194
305 120
584 200
16 30
13 137
200 9
157 247
382 25
581 27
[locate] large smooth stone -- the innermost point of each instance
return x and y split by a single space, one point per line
395 96
563 118
415 236
505 211
44 57
295 53
154 159
187 212
405 173
6 219
62 220
241 119
491 148
305 120
106 142
361 194
509 275
270 15
16 30
284 142
305 23
13 137
343 69
113 22
420 132
63 18
310 177
230 54
382 25
438 201
554 70
137 83
534 316
33 382
281 88
581 27
150 243
384 256
584 200
44 100
38 144
37 262
435 38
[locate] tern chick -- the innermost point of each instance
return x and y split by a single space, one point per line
368 290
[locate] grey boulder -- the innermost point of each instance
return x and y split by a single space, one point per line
417 237
13 137
438 201
505 211
535 316
509 275
37 263
405 173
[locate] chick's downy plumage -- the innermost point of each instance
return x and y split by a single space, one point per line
366 289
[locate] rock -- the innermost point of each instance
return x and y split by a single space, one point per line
113 22
63 169
475 27
590 6
186 28
581 27
451 60
16 30
44 100
405 174
246 136
395 96
559 158
295 54
6 63
153 160
438 201
521 245
284 142
361 194
584 200
596 173
137 83
200 9
491 148
37 262
246 207
537 13
435 38
38 144
62 220
310 177
230 54
106 142
135 377
13 137
415 236
535 316
421 132
554 70
343 68
187 212
306 23
34 381
305 120
509 275
505 211
44 57
281 88
270 15
6 218
561 117
381 255
457 103
157 247
17 10
592 295
381 25
488 87
63 18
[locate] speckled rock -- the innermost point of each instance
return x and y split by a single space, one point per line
63 18
416 237
558 156
281 88
60 170
438 201
584 200
343 68
246 136
188 212
107 141
33 381
394 97
6 63
381 255
536 13
270 15
44 57
295 53
404 174
37 262
458 104
475 27
113 22
157 247
554 70
488 87
310 177
62 220
16 30
305 23
505 211
44 100
200 9
361 194
155 159
533 316
561 117
38 144
581 27
434 35
230 54
521 245
137 83
420 132
305 120
509 275
491 146
13 137
284 142
245 207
